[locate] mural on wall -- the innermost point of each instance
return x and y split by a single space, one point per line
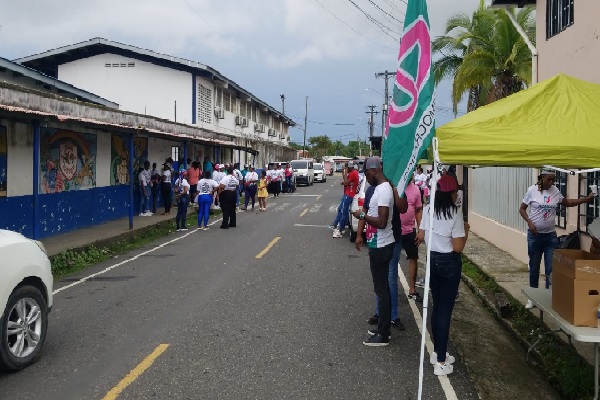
3 161
119 158
67 160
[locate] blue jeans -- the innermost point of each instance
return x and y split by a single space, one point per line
204 202
538 245
288 182
341 218
182 206
444 281
393 280
144 199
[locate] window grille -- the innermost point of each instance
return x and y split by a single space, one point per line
254 111
559 16
263 118
175 153
589 211
227 101
561 211
219 102
204 104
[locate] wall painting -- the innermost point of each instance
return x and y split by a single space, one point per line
119 160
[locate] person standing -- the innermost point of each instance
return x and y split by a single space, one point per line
280 176
250 188
414 212
446 241
262 191
542 199
183 200
208 166
193 176
227 189
145 184
206 188
273 177
238 175
165 188
288 172
350 183
380 240
155 187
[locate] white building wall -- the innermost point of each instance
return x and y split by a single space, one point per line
144 88
19 161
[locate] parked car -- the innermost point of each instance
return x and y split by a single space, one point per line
25 299
284 183
319 172
357 202
304 170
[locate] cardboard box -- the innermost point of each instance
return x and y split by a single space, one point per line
576 286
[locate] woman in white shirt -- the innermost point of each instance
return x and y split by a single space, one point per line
543 199
446 241
183 200
206 188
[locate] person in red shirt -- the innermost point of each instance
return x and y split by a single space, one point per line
350 182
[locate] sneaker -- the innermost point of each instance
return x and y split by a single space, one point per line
420 283
529 305
374 320
374 331
205 228
337 234
398 325
243 208
149 214
433 358
416 297
183 229
442 369
376 341
237 209
331 226
177 230
142 214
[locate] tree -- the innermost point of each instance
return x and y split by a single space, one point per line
485 55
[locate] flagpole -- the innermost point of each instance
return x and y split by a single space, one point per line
427 276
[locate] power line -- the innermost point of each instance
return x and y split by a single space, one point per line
377 23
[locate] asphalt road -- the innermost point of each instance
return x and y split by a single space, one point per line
288 325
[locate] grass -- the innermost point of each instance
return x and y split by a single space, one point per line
565 369
71 261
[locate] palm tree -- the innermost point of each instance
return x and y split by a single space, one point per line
484 55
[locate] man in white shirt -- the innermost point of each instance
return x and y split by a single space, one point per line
227 190
273 176
380 240
145 183
250 187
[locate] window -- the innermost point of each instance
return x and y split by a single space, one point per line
219 101
204 104
245 109
254 111
590 211
227 101
561 211
175 153
3 161
559 16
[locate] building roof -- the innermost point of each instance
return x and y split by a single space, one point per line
48 82
49 61
513 3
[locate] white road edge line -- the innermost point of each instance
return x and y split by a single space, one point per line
129 259
444 381
311 226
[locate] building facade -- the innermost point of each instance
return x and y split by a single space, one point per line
567 41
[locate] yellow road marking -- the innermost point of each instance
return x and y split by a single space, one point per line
262 253
304 212
136 372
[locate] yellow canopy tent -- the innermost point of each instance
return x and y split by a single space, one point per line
556 122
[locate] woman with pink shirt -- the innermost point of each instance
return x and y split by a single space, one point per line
288 177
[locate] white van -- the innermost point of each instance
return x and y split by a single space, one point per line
305 172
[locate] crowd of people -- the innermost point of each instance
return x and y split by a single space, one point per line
393 222
209 186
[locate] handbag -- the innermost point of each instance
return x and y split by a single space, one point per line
570 241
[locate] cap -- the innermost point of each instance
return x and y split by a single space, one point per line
373 162
221 166
227 165
351 164
167 165
251 166
447 183
547 171
245 165
183 172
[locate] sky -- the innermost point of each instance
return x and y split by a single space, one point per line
328 50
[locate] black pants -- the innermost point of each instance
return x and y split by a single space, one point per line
227 199
165 189
379 260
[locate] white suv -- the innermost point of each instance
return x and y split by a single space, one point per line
25 299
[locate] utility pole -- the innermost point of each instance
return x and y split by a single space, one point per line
305 122
359 145
282 103
386 75
371 126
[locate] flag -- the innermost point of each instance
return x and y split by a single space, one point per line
411 120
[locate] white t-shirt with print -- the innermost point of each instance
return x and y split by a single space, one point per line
273 174
252 177
182 183
542 207
205 186
167 174
443 230
383 196
218 175
281 174
230 182
238 175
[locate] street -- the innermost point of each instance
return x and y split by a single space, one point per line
287 325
